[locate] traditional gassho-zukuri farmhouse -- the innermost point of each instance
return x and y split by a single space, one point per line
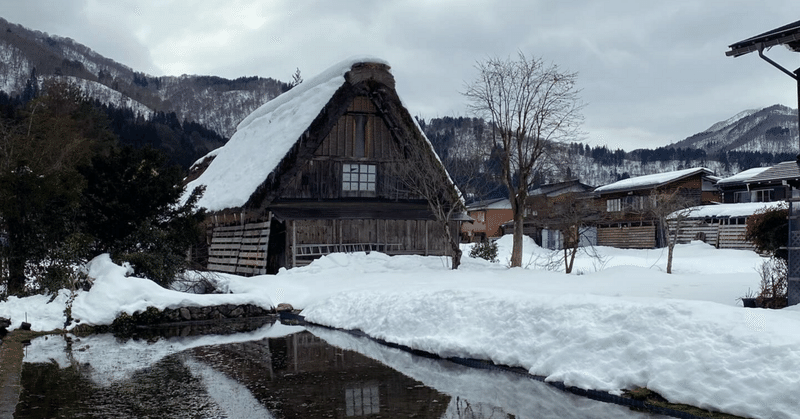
317 170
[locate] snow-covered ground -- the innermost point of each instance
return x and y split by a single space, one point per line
618 322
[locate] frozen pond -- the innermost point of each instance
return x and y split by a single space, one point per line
273 371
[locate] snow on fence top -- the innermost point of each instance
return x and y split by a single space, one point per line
264 137
728 210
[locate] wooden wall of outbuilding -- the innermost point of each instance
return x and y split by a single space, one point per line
309 239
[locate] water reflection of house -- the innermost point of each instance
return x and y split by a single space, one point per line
302 376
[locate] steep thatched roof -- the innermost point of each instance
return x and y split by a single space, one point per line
271 144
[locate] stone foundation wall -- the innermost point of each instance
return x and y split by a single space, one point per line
226 311
126 324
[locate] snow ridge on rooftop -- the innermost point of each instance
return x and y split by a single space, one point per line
743 176
641 182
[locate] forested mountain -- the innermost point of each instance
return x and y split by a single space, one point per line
754 138
28 57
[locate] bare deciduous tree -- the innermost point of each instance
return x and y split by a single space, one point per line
572 213
530 105
670 210
422 174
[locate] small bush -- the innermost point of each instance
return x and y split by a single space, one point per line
774 280
485 250
768 230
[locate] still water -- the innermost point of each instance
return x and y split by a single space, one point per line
273 371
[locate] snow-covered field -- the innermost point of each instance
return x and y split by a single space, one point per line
618 322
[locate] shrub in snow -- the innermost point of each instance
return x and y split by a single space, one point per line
768 230
485 250
774 272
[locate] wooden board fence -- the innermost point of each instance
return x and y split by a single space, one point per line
638 237
240 249
722 236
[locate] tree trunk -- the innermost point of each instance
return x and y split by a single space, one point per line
569 258
16 276
669 257
516 250
454 244
456 255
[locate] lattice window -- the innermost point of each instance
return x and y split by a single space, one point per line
362 401
358 179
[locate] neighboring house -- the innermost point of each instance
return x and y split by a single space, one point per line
628 221
722 226
489 216
316 171
550 207
737 188
762 184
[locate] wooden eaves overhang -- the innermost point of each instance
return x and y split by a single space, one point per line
788 35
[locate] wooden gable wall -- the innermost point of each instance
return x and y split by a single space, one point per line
321 177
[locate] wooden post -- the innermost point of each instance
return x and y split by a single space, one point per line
293 246
426 237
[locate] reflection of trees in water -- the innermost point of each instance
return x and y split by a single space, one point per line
460 408
166 389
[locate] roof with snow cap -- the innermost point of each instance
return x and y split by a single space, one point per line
265 138
652 181
742 177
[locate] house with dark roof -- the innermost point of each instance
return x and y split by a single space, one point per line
752 185
762 184
628 221
320 170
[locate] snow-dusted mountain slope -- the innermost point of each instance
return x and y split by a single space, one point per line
771 130
220 104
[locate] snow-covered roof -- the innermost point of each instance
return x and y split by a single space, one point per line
731 210
499 203
787 170
265 136
651 181
742 177
555 189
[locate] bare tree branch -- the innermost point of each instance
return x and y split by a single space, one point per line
529 105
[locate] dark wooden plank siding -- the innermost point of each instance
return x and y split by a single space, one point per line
643 237
339 143
314 238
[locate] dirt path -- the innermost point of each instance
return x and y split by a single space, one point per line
11 354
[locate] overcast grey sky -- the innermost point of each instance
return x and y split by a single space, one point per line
651 73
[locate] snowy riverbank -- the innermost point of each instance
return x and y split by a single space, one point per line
618 324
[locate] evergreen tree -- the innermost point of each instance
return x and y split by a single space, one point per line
39 184
131 210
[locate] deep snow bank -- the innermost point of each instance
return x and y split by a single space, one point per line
113 293
704 354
